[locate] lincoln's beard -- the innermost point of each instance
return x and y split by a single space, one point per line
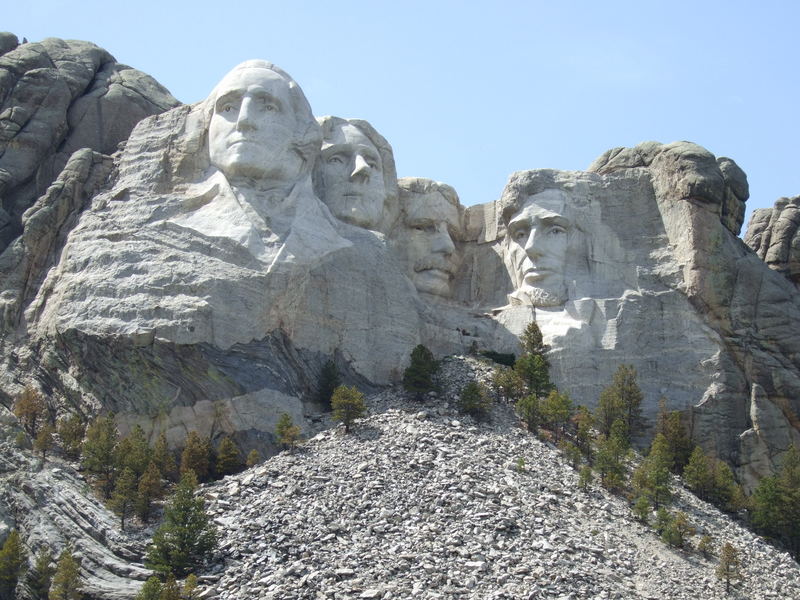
533 296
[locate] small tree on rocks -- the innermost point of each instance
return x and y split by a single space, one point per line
162 457
196 456
529 410
149 489
44 440
348 405
186 537
151 590
30 408
66 583
475 401
229 459
71 431
288 433
508 383
41 576
13 560
729 568
99 452
418 376
253 458
123 499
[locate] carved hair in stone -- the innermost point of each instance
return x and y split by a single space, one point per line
425 236
355 174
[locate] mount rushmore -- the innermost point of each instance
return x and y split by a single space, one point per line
194 266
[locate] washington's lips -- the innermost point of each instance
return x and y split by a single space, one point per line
537 273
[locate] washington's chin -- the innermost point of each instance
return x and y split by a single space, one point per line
542 296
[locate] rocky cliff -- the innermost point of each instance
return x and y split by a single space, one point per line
199 277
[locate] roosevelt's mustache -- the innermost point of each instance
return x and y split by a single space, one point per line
435 262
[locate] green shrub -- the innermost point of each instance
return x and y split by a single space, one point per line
475 401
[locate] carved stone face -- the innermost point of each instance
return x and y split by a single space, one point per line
427 242
352 177
537 244
253 126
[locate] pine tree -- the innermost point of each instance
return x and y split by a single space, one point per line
641 509
677 531
41 576
71 431
196 456
149 489
584 421
611 451
534 370
706 546
329 380
99 452
151 590
671 426
44 440
729 568
475 401
186 537
133 452
585 477
532 340
348 405
123 499
529 411
287 432
170 590
30 408
776 503
229 459
651 479
508 383
13 561
697 473
253 458
418 376
66 579
556 411
189 591
163 458
621 400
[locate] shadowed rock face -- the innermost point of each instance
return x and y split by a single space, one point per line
773 234
56 97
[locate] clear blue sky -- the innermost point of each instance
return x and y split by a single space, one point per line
467 93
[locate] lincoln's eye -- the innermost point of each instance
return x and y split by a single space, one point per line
520 235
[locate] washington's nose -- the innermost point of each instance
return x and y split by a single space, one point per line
442 242
245 120
360 169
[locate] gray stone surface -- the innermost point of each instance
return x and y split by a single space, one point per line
56 97
773 234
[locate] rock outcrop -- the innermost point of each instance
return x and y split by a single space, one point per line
773 234
56 97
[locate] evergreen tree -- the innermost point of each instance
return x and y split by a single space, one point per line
99 452
585 477
532 340
571 453
556 411
776 503
253 458
287 432
729 568
698 475
677 531
133 452
621 400
348 405
584 421
475 401
170 589
30 408
186 537
651 478
41 576
151 590
149 489
44 440
123 499
329 380
163 458
706 546
71 431
609 457
534 370
196 456
670 425
529 411
508 383
641 509
66 579
13 561
229 459
418 376
189 591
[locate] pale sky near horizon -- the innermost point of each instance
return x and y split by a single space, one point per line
467 93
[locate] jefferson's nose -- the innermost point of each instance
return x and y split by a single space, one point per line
360 169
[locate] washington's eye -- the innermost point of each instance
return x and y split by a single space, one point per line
227 108
424 228
270 107
557 230
336 159
520 235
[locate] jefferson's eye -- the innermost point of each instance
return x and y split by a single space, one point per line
557 230
425 228
336 159
520 235
270 107
227 108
